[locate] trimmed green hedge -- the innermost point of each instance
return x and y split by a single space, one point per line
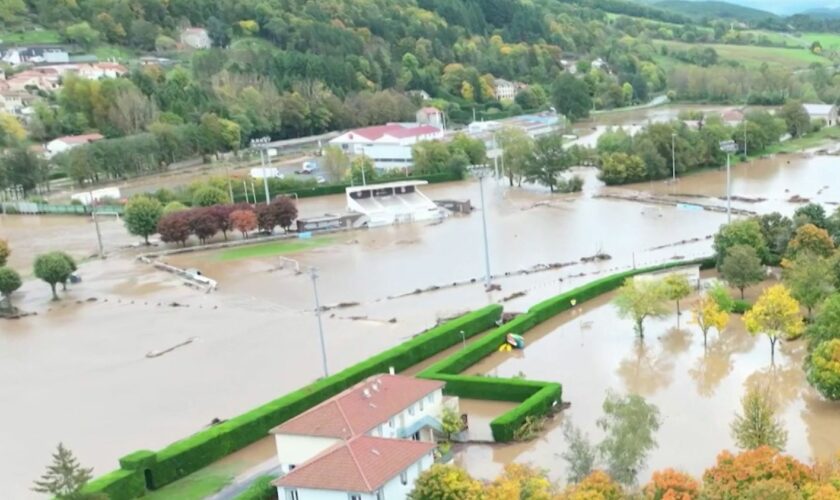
260 489
537 398
119 485
203 448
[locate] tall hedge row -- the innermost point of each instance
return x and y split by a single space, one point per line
203 448
536 398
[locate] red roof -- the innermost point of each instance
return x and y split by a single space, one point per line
394 130
430 110
363 464
80 139
732 115
360 408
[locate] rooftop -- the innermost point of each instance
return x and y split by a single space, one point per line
79 139
363 464
395 130
362 407
818 108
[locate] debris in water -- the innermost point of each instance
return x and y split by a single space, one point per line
156 354
798 199
514 295
176 304
597 257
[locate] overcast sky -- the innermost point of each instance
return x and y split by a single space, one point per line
785 6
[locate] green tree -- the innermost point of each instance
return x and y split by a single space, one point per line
677 288
52 268
451 422
9 282
548 159
65 477
758 424
809 279
641 298
630 424
172 207
775 314
823 369
740 232
71 265
826 323
335 162
359 165
571 97
208 196
812 213
516 147
5 251
142 215
741 267
777 231
797 120
621 168
82 34
446 482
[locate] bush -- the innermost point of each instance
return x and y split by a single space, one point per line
118 485
203 448
824 369
260 489
740 306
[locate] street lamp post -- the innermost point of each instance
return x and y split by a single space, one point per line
313 273
96 224
728 147
673 156
262 145
484 228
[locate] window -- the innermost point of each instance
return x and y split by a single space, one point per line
379 430
404 477
291 467
430 397
292 495
391 422
354 496
380 495
411 410
421 405
416 436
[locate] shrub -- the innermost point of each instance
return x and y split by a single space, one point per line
260 489
733 475
595 486
209 196
670 483
824 369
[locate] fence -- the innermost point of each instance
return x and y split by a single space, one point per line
32 208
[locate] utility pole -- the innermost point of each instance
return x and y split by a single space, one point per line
362 166
96 224
484 227
313 273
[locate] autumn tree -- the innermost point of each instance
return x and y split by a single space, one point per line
740 232
670 484
222 215
5 251
596 486
203 223
742 267
142 215
451 422
446 482
775 314
708 314
823 369
809 279
52 268
243 221
733 475
520 481
758 425
811 239
284 210
629 423
639 299
9 282
677 288
65 477
266 218
175 227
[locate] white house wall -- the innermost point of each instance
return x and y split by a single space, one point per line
294 449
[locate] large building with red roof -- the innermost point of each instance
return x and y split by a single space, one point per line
389 146
368 442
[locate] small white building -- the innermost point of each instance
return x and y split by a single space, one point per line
825 112
15 102
430 116
35 55
388 146
369 442
196 38
504 90
68 142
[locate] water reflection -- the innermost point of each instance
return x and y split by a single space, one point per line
647 370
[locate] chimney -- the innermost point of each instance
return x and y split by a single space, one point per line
391 370
366 393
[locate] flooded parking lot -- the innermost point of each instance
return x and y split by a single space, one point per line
590 350
78 372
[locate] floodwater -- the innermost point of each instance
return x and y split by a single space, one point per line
77 372
590 350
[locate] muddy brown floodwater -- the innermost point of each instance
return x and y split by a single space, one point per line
591 351
78 372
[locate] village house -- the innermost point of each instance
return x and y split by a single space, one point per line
44 79
824 112
196 38
17 56
732 117
430 116
504 90
68 142
369 442
388 146
15 102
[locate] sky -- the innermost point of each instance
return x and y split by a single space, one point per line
786 7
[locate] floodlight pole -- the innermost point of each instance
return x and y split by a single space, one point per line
96 224
313 273
484 228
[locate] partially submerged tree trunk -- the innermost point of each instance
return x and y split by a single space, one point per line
55 295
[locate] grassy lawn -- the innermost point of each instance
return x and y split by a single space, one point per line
809 141
31 36
273 248
107 52
751 55
829 41
195 486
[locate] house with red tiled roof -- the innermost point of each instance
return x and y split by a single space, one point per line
374 438
389 146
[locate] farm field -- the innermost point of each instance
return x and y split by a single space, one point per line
751 55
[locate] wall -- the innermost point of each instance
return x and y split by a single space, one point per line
294 450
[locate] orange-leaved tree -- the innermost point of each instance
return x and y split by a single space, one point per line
734 475
670 484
